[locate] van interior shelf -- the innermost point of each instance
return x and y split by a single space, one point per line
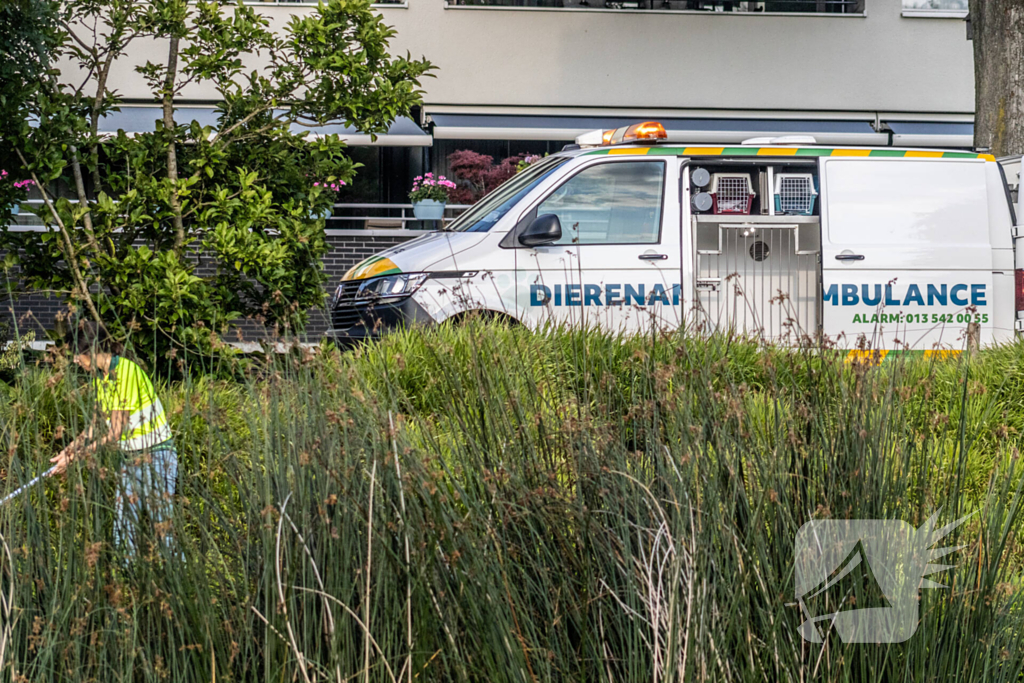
740 219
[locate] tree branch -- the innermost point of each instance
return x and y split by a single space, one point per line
230 129
172 156
69 250
94 121
83 200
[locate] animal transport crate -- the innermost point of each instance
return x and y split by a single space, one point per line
731 193
794 194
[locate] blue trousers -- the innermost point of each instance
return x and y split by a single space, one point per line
146 490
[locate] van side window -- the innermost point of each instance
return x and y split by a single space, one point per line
906 202
610 203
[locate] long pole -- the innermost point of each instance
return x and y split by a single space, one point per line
21 490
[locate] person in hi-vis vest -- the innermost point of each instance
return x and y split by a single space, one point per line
136 422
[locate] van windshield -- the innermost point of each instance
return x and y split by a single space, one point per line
489 210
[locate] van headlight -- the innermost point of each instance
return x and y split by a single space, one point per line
336 297
391 286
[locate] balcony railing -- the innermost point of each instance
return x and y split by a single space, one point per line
384 216
736 6
313 2
346 217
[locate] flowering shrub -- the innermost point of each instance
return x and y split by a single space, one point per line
477 174
11 193
332 186
322 197
430 187
526 161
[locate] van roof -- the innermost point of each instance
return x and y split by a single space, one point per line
781 151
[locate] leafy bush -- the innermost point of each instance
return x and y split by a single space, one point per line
230 216
12 192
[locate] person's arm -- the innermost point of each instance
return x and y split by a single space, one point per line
86 443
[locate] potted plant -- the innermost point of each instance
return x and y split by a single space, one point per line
11 194
429 195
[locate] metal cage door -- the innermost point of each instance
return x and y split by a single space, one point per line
760 277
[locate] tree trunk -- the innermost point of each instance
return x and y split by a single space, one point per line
997 28
172 155
94 118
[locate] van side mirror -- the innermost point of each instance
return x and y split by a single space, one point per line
543 230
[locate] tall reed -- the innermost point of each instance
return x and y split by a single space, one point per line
485 503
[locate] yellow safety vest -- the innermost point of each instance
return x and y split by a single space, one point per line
129 388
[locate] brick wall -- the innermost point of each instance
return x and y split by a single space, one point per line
347 247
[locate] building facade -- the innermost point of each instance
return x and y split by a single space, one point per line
519 77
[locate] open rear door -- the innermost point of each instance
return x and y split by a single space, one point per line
1011 170
1011 173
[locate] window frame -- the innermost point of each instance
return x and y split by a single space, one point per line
555 161
958 14
859 14
313 3
929 13
512 239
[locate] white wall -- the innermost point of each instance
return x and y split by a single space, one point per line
612 58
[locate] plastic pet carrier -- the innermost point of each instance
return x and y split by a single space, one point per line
731 193
794 194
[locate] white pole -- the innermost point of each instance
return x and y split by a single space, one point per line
27 486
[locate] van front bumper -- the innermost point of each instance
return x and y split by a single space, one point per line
352 323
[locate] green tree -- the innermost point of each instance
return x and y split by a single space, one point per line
28 36
168 237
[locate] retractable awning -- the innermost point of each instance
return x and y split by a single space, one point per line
449 126
402 133
932 134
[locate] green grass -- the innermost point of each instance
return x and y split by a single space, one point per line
485 504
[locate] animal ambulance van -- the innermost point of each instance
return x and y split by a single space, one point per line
775 238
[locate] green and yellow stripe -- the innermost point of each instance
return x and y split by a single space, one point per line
873 357
375 266
661 151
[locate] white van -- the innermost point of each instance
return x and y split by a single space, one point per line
781 239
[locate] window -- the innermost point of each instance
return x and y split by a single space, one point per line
936 7
313 2
610 203
492 207
811 6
